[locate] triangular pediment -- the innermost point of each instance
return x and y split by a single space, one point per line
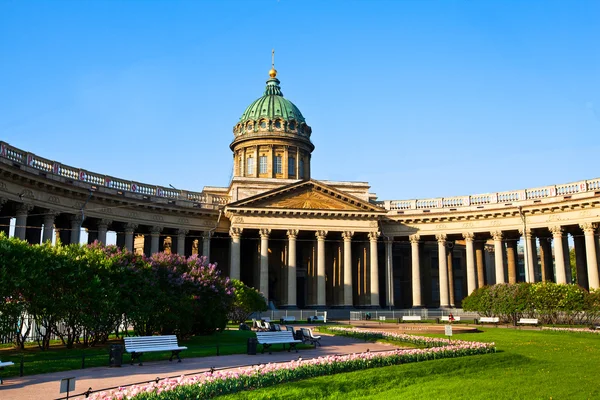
306 195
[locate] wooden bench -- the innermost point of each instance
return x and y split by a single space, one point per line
411 318
316 318
287 318
2 365
488 320
139 345
307 336
446 318
528 321
381 319
267 339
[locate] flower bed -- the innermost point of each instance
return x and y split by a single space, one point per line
577 330
210 384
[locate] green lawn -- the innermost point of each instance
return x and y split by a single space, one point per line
529 364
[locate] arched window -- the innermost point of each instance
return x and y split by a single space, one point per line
262 166
250 166
277 165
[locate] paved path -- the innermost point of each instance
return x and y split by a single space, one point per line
46 386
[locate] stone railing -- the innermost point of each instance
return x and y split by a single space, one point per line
515 197
20 157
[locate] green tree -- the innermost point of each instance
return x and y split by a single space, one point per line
247 300
573 265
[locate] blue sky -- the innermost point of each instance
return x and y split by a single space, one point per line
418 98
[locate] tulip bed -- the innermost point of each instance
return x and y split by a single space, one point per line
576 330
211 384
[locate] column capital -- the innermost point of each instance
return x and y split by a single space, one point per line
292 233
497 235
206 235
468 236
527 233
76 219
182 232
321 235
235 233
264 233
24 208
414 239
130 227
50 214
104 223
156 229
347 235
556 231
588 227
373 236
441 238
3 201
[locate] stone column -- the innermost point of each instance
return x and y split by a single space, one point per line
374 268
531 255
347 236
471 282
567 257
590 254
415 270
511 259
49 225
264 262
292 235
321 268
450 266
480 262
102 229
389 273
498 259
155 238
546 258
76 221
206 244
181 234
443 270
21 224
129 231
559 257
235 261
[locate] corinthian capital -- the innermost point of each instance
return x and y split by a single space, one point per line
441 238
373 236
347 235
414 239
321 235
292 233
468 236
497 235
264 233
235 233
556 230
588 227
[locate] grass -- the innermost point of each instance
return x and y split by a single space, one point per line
529 364
58 358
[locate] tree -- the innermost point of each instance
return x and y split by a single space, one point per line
573 265
247 300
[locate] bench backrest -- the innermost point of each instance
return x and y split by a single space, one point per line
140 342
411 318
280 336
382 318
489 319
528 321
289 318
447 318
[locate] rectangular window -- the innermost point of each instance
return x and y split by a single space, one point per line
301 169
292 166
262 168
277 165
250 166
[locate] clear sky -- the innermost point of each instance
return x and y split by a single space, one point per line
418 98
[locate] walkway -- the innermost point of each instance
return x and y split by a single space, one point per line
46 386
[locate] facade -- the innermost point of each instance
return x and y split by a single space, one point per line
308 243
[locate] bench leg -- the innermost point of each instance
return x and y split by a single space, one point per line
175 353
293 346
136 356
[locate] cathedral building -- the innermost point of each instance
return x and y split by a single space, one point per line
311 243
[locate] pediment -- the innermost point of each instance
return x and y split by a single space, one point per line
307 195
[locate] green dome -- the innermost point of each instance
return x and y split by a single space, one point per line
272 105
